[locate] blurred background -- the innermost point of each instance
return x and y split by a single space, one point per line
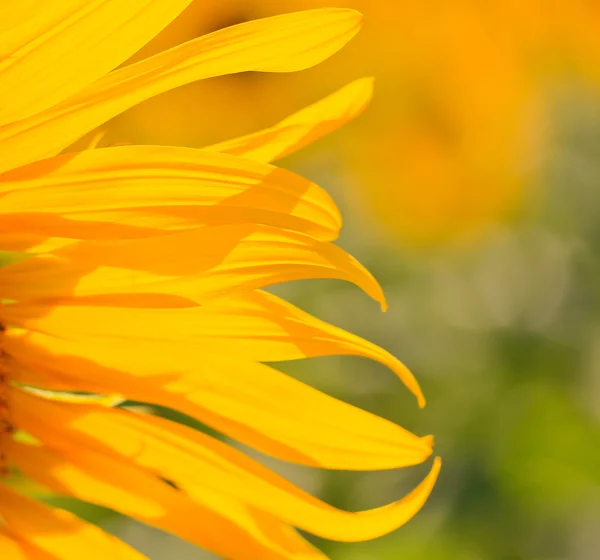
470 188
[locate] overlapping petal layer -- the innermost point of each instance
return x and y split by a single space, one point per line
215 522
140 191
283 43
196 462
18 550
57 533
245 400
198 264
255 326
54 49
23 243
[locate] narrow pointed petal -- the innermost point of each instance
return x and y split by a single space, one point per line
195 462
198 264
304 127
284 43
58 532
139 191
232 531
255 326
262 327
66 45
246 401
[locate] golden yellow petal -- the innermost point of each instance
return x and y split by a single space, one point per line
67 44
31 242
199 264
19 12
304 127
284 43
58 532
12 549
236 532
244 400
138 191
254 326
196 462
262 327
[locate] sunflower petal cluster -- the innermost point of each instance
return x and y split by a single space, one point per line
138 273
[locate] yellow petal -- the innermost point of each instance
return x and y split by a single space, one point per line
138 191
58 532
19 12
235 531
262 327
121 494
284 43
246 401
255 326
31 242
199 264
11 549
195 462
304 127
67 44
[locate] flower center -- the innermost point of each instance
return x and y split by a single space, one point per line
6 427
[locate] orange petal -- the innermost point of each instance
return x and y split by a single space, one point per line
196 462
13 549
65 45
304 127
231 530
199 264
58 532
284 43
138 191
31 242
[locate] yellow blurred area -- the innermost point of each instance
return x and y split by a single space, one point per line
461 121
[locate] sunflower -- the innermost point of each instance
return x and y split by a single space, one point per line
137 272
